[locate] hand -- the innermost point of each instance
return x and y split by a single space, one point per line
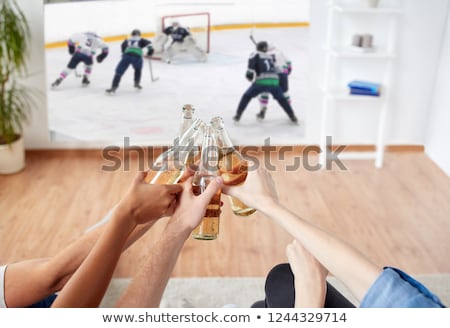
146 202
309 276
191 208
71 49
258 189
101 56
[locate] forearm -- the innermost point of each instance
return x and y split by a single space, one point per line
89 283
57 270
346 263
147 286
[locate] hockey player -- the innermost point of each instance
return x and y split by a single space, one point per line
132 53
83 48
181 40
283 67
262 72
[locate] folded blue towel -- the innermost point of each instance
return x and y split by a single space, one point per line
364 85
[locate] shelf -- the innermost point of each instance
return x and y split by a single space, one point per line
337 49
345 95
364 10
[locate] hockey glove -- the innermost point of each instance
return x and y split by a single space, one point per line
289 68
101 57
71 49
249 75
150 52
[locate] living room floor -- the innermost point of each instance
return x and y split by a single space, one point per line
398 215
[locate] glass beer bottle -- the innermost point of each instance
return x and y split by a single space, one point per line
232 166
170 165
187 119
208 229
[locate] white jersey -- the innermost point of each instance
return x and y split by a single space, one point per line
87 43
282 63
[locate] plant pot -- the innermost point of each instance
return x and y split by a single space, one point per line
12 157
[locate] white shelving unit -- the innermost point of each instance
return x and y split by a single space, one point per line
337 50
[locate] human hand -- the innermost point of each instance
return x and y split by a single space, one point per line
190 208
257 190
145 202
309 276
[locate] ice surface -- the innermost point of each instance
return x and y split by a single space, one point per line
152 115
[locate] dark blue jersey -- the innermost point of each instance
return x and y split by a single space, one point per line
263 66
177 33
135 44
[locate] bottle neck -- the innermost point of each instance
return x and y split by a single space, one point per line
185 125
209 158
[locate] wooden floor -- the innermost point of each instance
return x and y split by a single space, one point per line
398 215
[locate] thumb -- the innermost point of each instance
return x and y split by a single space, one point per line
140 176
212 188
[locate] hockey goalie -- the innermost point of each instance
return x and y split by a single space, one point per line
176 39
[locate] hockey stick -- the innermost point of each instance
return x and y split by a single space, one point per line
151 70
252 38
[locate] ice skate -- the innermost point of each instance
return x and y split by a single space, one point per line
260 116
57 82
294 120
138 86
85 82
236 118
111 90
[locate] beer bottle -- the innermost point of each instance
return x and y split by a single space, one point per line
186 118
170 165
208 229
232 166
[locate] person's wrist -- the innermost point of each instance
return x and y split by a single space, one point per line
265 204
177 229
125 214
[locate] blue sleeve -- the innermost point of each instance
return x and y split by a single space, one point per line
253 61
144 43
396 289
124 45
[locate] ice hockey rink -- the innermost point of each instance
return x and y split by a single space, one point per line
151 116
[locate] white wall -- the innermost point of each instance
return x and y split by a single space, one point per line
438 135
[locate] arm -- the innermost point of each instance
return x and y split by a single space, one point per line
88 284
27 282
342 260
105 50
147 287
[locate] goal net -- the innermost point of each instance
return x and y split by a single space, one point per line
199 25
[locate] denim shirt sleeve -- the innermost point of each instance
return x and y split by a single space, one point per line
395 289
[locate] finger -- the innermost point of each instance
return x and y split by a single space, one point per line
227 190
174 188
212 188
186 174
140 176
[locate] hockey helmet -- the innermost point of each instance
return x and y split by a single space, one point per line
136 32
262 46
175 23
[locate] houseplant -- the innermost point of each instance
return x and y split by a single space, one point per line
15 99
